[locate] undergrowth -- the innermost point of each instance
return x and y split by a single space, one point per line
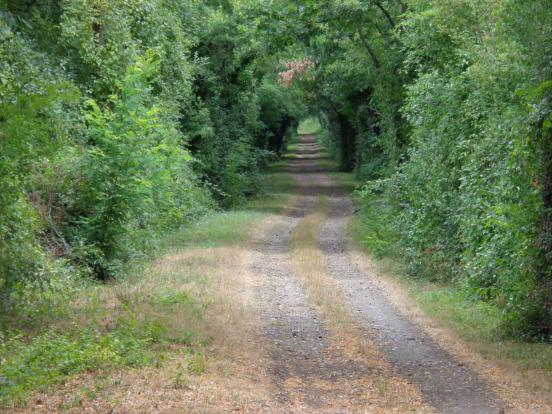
78 325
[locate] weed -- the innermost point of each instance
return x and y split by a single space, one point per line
180 380
50 358
196 364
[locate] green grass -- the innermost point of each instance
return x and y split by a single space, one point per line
309 125
216 229
53 356
221 228
371 227
275 166
346 180
36 363
475 320
479 322
276 187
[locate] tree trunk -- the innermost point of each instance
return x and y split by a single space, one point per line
348 138
277 139
545 238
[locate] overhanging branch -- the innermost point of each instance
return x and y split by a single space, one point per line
385 12
375 59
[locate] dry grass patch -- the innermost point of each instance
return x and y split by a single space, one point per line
181 335
311 264
202 299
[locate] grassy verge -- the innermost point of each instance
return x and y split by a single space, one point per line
105 327
172 307
475 323
345 180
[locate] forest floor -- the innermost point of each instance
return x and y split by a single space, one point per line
295 318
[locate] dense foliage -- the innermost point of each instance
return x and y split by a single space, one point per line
122 120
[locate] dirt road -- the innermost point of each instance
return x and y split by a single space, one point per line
368 358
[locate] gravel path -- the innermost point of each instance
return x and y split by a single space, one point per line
293 328
303 361
304 366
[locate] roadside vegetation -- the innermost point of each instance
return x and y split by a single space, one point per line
442 110
169 310
125 130
477 324
122 122
446 304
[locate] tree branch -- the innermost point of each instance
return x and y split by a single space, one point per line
385 12
377 26
367 46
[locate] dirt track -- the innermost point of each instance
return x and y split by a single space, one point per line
402 369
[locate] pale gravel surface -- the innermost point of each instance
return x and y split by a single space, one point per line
300 352
309 373
302 361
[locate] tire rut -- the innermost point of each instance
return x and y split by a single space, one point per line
309 371
294 330
447 384
303 364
